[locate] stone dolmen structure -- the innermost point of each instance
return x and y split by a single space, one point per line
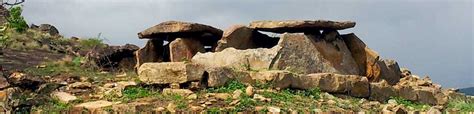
306 54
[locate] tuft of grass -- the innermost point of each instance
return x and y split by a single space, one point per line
230 86
246 103
132 93
466 105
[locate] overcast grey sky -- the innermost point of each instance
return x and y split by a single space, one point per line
430 37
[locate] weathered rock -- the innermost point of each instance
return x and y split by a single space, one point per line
94 106
277 79
300 25
115 57
181 92
64 97
249 91
25 81
356 86
80 85
238 37
381 91
222 96
175 29
183 49
242 37
359 86
250 59
330 35
307 54
405 72
170 72
433 110
389 71
48 29
236 94
365 57
171 107
154 51
273 109
431 96
3 81
219 76
407 92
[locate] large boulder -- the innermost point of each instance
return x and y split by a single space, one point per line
219 76
389 71
276 78
307 54
300 25
431 96
154 51
170 30
170 72
183 49
250 59
365 57
242 37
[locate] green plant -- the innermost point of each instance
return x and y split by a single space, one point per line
230 86
246 102
408 103
92 43
16 21
132 93
466 105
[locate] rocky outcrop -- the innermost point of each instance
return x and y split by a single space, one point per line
300 25
389 71
46 28
4 14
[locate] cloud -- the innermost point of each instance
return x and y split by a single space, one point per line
431 37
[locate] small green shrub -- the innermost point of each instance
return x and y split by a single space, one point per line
91 43
16 21
408 103
132 93
246 103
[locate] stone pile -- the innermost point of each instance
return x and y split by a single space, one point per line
308 54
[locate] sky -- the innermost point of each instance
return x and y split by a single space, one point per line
430 37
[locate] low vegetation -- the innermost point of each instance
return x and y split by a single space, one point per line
464 105
411 104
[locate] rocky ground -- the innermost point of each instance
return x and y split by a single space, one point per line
308 68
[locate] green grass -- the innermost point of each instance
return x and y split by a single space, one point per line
16 21
408 103
68 68
462 105
136 92
91 43
246 103
229 87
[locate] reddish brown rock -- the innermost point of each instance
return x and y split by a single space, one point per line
183 49
382 91
365 57
389 71
242 37
300 25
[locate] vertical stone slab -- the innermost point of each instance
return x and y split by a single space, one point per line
365 57
152 52
183 49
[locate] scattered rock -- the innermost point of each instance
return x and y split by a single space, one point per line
159 109
174 86
249 91
259 108
80 85
192 97
433 110
170 72
171 107
431 96
181 92
261 98
183 49
95 106
273 109
300 25
196 108
236 94
64 97
405 72
222 96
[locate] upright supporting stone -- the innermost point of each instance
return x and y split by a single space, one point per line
183 49
152 52
365 57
